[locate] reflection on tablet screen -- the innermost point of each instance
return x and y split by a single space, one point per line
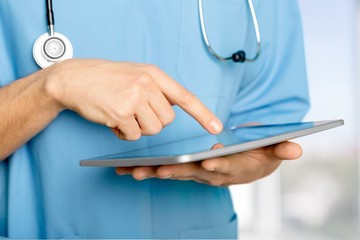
234 140
232 136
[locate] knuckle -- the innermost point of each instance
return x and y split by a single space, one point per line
125 113
226 166
135 98
157 129
154 129
131 99
110 124
151 68
144 80
169 118
186 97
217 182
133 136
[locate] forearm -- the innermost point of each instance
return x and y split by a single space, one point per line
132 99
26 107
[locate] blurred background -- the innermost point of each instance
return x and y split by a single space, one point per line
316 197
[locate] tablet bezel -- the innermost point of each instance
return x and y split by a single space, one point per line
318 126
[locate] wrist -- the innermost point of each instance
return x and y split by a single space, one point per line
51 89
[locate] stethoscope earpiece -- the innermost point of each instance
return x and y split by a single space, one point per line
50 49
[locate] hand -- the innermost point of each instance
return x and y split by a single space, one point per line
132 99
238 168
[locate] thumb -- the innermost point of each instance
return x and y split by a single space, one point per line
287 150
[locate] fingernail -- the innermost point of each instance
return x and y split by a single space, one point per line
121 174
167 177
216 126
143 178
211 169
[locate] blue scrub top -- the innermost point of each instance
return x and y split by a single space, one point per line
43 191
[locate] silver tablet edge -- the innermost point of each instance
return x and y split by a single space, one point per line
323 125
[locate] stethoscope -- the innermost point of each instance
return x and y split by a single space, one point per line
52 47
239 56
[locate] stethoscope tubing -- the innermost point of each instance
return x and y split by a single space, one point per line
44 59
50 17
206 38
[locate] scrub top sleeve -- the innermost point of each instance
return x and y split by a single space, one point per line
274 87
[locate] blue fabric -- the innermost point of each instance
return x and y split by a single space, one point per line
43 191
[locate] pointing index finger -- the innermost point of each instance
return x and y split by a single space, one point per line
180 96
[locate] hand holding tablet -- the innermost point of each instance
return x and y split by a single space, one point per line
234 140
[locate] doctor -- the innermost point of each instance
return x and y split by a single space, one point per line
139 68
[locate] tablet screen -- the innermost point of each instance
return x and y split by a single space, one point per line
234 139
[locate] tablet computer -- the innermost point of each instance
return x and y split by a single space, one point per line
234 140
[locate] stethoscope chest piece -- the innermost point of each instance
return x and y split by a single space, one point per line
49 49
